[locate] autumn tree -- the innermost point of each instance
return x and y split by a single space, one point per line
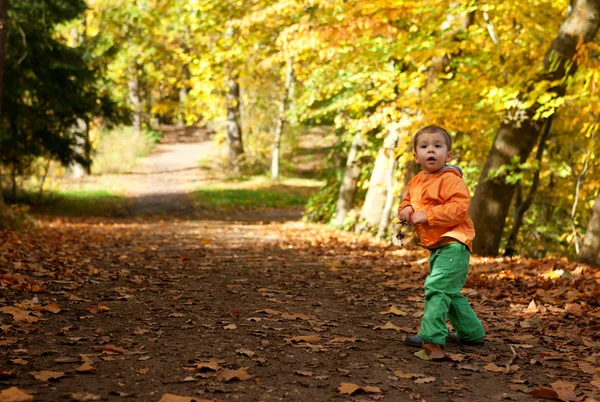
522 124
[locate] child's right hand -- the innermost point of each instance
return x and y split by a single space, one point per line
406 214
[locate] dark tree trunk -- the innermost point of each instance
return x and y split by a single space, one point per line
519 133
234 129
3 34
522 205
590 251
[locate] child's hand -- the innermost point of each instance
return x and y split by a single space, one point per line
406 214
419 217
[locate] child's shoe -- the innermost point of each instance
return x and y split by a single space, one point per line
416 341
452 338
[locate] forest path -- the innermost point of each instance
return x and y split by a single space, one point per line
210 308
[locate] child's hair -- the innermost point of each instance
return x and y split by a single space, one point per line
433 129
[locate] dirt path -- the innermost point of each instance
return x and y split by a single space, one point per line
137 308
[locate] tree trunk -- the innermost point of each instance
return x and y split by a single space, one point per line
134 99
349 182
372 209
522 205
234 129
3 34
519 133
590 250
389 184
289 78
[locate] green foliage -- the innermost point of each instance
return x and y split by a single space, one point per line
117 150
50 94
265 196
81 203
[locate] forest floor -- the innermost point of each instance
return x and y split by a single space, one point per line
170 301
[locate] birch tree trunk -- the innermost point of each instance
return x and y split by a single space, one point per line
135 99
289 78
349 181
234 129
372 209
519 133
590 250
389 184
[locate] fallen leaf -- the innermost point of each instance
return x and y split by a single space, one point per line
14 394
596 382
424 380
52 308
246 352
112 349
212 364
97 309
85 396
305 338
240 374
495 368
19 361
532 308
347 388
143 371
435 352
394 311
422 354
19 314
86 368
177 315
230 326
177 398
401 374
304 373
47 375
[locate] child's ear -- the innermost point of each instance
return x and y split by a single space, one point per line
449 156
416 159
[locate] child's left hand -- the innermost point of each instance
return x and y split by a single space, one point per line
419 217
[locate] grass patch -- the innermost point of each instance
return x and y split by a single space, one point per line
256 193
81 203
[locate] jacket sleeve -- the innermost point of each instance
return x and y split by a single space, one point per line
406 200
455 203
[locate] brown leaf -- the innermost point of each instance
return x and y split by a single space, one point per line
19 314
305 338
573 309
300 316
424 380
97 309
240 374
435 352
52 308
212 364
7 374
143 371
495 368
85 396
14 394
394 311
111 349
401 374
389 325
230 326
177 398
347 388
304 373
86 368
47 375
246 352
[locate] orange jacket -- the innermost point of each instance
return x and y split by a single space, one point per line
445 198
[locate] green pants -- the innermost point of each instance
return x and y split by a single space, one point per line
449 265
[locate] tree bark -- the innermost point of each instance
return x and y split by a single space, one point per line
234 129
389 184
135 99
519 133
349 181
281 120
522 205
3 34
590 250
372 209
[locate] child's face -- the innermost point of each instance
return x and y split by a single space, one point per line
432 152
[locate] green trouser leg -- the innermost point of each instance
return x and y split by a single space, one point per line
449 265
